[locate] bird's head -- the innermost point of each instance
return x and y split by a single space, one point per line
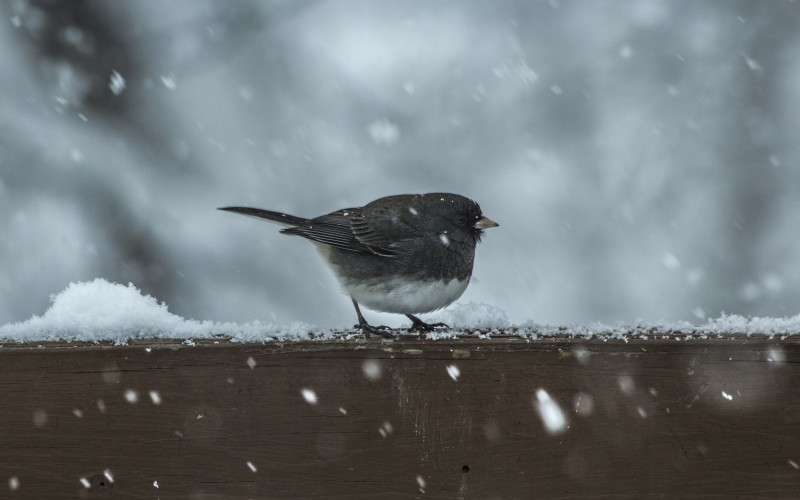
453 217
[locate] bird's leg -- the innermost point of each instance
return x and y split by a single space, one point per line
417 325
383 331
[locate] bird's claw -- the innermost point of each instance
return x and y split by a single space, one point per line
417 325
382 330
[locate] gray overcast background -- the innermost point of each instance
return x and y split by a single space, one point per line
640 156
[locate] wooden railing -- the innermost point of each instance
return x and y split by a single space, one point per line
499 417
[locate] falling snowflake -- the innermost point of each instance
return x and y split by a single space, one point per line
155 397
116 83
310 396
131 396
552 417
372 369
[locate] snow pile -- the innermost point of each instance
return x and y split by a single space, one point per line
99 310
724 325
740 324
470 316
102 311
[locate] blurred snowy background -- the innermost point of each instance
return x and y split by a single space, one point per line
641 156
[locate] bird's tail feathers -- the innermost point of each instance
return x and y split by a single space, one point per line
276 217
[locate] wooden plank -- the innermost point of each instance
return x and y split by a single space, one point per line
678 418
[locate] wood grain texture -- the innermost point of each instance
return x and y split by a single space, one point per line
644 418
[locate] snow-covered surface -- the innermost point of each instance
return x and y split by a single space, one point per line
102 311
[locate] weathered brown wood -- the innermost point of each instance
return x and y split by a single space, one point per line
659 422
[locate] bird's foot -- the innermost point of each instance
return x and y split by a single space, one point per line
417 325
382 330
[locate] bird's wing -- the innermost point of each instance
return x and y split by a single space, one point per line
383 228
331 229
366 230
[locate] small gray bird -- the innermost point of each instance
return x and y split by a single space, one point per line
406 254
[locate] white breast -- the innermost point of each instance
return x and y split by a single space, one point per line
396 296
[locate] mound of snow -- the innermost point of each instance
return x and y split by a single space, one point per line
102 311
99 310
470 316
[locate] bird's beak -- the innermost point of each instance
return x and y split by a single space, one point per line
485 223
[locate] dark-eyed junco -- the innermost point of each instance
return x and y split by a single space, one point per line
406 254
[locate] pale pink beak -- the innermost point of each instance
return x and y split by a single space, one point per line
485 223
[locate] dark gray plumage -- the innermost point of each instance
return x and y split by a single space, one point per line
404 254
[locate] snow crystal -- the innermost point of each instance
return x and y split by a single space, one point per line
383 132
101 405
727 396
251 466
170 81
444 239
413 211
454 372
671 262
582 354
791 462
372 369
85 482
641 412
421 483
155 484
342 411
776 355
520 71
552 417
626 384
131 396
386 428
13 483
39 418
116 83
754 66
78 413
76 155
108 475
155 397
310 396
251 362
750 292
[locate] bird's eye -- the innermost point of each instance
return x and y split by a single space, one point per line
461 220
